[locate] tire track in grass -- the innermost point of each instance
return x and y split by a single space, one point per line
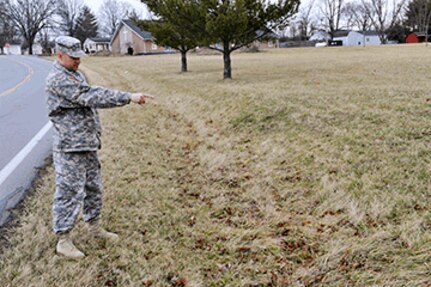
233 211
217 171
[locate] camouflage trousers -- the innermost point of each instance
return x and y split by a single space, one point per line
78 182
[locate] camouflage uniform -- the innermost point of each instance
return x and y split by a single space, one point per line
72 107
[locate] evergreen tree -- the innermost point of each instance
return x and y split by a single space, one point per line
418 14
397 33
87 25
237 23
179 25
223 25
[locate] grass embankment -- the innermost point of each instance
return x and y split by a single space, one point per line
310 168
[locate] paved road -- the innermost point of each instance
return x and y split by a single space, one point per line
25 134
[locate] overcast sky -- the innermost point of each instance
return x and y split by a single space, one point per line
139 7
95 5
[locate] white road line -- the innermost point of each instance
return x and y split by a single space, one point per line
10 167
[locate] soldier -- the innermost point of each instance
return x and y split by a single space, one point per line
72 105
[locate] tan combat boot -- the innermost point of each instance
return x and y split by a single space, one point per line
66 248
100 232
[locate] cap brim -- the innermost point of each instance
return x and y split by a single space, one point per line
77 54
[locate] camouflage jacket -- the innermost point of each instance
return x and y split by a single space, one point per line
72 107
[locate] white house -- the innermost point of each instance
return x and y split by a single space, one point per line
12 49
357 38
320 36
37 49
93 45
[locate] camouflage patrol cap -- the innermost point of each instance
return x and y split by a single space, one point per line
70 46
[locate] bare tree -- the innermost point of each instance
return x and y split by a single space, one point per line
7 30
331 11
357 16
30 17
384 14
426 12
44 40
68 12
111 13
305 20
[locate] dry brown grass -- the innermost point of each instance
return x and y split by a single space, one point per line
310 168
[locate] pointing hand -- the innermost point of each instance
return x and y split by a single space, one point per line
140 98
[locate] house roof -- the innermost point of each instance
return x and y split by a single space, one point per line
323 32
368 33
419 34
341 33
319 35
144 35
270 34
345 33
100 40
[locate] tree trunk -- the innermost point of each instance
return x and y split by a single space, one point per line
382 37
183 61
227 62
30 46
427 24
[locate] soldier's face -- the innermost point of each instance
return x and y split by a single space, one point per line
69 62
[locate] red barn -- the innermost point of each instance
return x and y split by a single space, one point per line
416 37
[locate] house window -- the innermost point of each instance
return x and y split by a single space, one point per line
368 39
126 36
154 46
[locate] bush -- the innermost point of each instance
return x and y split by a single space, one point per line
250 49
101 53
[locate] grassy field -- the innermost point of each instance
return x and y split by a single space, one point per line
310 168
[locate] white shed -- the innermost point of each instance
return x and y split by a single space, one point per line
320 36
358 38
341 36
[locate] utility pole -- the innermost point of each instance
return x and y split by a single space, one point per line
427 27
363 33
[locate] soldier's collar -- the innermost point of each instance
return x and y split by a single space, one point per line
60 67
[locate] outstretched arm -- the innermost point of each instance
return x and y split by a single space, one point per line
140 98
74 93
